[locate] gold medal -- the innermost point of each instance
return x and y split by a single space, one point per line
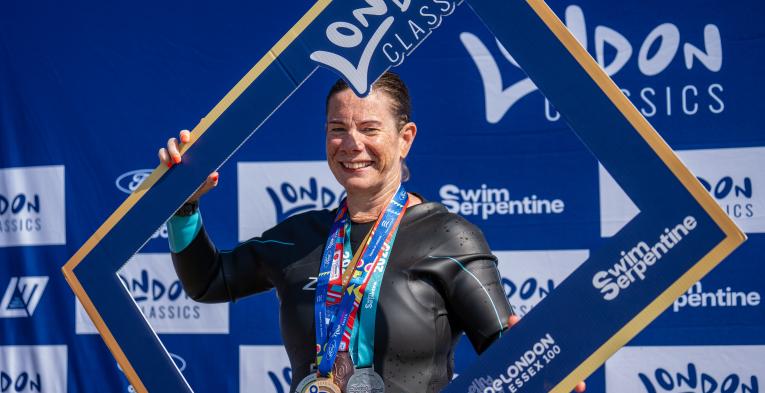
313 384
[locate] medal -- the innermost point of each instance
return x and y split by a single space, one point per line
301 387
313 384
342 370
365 380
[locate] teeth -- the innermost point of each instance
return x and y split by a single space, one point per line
357 165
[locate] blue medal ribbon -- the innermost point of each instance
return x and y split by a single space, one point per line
331 325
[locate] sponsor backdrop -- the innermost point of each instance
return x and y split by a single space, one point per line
89 91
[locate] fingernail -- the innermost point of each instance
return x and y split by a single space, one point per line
169 164
176 158
185 136
215 177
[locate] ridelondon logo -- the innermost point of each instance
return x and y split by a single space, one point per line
22 297
395 27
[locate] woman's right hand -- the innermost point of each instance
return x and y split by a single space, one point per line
171 156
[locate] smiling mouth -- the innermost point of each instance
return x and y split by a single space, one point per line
356 165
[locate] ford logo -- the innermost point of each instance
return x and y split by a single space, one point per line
129 181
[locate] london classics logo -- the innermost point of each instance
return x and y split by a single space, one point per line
23 382
486 202
32 206
529 276
33 368
270 192
395 27
22 295
733 193
264 369
19 204
693 380
280 379
686 369
156 290
290 199
688 99
129 182
160 299
731 175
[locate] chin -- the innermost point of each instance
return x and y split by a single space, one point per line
356 185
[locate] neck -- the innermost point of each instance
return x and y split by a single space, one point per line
366 207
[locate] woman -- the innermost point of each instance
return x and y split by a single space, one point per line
438 280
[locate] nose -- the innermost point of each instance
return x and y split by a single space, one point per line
352 141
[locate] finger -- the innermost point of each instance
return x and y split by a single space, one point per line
214 178
512 320
172 150
580 387
185 136
164 158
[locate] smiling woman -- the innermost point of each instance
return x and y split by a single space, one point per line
397 279
367 142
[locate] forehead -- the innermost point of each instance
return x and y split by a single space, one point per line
346 105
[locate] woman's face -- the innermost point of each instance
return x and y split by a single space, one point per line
364 143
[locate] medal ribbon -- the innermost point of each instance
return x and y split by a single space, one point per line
334 324
363 337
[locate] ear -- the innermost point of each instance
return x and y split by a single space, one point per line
406 138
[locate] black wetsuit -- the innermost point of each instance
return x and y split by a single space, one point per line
427 298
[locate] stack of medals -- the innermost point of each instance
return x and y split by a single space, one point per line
338 297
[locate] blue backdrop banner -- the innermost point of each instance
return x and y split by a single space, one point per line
89 91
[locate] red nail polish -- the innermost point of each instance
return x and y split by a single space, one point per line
169 164
177 159
215 177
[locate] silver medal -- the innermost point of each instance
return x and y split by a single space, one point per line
365 380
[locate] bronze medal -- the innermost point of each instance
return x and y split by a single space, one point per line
365 380
342 369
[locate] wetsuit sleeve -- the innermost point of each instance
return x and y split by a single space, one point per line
466 271
209 275
477 298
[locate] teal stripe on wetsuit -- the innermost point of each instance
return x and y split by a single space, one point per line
181 230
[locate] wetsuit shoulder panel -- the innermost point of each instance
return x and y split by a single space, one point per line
456 255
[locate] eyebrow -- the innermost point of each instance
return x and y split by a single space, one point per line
370 121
